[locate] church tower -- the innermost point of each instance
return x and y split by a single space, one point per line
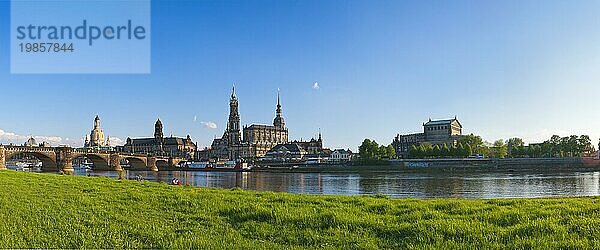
158 137
158 129
278 121
97 135
233 134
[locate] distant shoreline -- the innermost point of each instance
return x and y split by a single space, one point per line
465 164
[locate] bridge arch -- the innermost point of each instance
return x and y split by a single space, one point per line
162 164
135 163
48 159
98 162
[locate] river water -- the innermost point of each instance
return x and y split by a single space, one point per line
464 184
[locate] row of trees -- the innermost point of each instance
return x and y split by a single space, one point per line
466 146
556 146
426 150
371 150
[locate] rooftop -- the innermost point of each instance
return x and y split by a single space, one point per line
440 122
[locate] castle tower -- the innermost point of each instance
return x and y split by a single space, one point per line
232 133
97 135
278 121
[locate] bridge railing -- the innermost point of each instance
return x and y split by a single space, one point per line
28 149
82 151
93 150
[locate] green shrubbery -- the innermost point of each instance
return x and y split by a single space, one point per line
53 211
371 150
556 146
426 150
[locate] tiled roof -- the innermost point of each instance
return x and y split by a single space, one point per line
439 122
289 147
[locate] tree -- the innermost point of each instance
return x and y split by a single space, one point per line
391 152
474 142
585 145
368 149
555 148
426 150
498 150
445 151
513 145
436 152
467 151
538 151
415 153
572 146
454 151
381 152
461 151
371 150
546 149
527 151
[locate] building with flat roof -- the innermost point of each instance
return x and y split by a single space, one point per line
435 132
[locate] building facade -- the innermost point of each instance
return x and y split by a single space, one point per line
340 156
313 146
160 145
257 139
435 132
286 151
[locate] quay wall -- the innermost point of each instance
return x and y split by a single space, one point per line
491 163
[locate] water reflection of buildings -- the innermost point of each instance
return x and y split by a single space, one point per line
393 184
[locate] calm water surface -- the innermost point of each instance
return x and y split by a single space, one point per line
392 183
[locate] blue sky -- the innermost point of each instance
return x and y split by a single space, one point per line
505 68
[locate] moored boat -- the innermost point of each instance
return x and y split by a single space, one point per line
591 161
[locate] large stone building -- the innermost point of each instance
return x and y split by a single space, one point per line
96 136
297 150
257 139
289 151
313 146
435 132
160 145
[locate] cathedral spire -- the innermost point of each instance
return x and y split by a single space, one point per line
320 138
233 92
278 104
278 121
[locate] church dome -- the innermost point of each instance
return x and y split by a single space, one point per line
97 135
31 142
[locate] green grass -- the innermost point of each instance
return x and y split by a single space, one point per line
52 211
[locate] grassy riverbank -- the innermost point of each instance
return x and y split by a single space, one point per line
52 211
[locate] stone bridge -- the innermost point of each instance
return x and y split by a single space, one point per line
61 158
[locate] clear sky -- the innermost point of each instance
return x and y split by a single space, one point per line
505 68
